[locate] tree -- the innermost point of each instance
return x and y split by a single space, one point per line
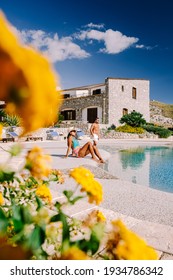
134 119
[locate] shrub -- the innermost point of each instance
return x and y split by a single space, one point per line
112 127
158 130
134 119
129 129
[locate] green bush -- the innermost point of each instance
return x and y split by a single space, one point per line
134 119
129 129
112 127
158 130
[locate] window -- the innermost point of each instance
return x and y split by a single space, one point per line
69 115
133 92
91 114
66 95
97 91
125 111
122 88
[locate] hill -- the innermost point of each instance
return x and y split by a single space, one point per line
161 113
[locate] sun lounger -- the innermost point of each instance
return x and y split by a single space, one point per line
52 135
11 136
8 139
34 138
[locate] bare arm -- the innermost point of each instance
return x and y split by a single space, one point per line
69 144
92 129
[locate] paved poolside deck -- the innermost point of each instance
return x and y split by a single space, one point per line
146 211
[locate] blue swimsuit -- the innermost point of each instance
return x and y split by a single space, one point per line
76 147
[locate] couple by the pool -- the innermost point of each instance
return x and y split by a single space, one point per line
78 151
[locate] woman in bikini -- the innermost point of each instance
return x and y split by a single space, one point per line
78 151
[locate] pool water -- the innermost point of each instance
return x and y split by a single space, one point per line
151 166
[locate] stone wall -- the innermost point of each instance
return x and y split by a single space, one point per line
80 103
120 96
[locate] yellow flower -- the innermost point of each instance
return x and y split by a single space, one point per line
1 127
74 253
126 245
85 178
1 199
100 216
38 163
28 82
94 191
44 192
80 174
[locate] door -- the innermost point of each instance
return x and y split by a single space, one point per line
91 114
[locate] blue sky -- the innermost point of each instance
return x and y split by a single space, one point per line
88 41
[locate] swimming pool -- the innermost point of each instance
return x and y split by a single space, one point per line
150 166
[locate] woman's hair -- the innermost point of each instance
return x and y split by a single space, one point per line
73 130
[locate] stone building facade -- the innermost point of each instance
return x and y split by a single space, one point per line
109 101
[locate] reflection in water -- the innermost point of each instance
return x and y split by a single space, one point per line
132 158
143 165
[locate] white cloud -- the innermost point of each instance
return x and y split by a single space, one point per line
145 47
92 25
114 41
55 48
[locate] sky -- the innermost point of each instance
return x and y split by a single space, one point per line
88 41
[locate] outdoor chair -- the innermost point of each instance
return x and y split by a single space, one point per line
52 135
33 138
80 134
10 136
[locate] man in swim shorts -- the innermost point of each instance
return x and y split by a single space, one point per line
95 131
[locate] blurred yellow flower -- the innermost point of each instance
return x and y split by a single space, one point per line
100 216
1 199
74 253
123 244
80 174
94 191
1 127
44 192
38 163
28 82
85 178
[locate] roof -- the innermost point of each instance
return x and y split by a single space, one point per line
102 84
85 87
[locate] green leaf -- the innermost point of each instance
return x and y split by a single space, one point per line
6 176
55 218
68 194
3 221
91 246
15 150
17 218
58 205
37 238
66 231
39 202
73 201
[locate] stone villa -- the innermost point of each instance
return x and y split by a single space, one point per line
109 101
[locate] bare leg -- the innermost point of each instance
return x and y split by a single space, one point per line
88 149
96 151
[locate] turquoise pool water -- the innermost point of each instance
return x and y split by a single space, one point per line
151 166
